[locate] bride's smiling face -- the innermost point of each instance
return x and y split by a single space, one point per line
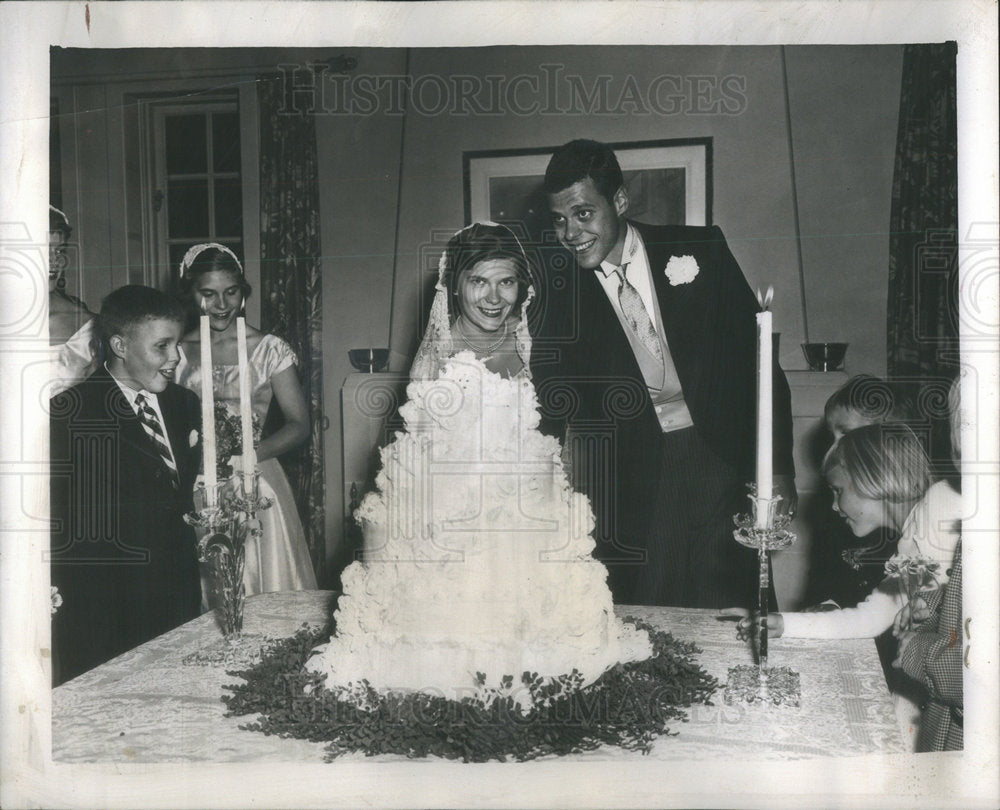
487 292
220 294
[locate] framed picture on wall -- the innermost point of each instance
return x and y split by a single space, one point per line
669 182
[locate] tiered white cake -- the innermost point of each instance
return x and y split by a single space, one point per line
477 555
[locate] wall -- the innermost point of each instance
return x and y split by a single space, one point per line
845 144
87 201
359 161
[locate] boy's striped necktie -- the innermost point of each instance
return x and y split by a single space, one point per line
151 424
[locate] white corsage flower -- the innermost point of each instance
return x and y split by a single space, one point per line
56 598
192 438
681 270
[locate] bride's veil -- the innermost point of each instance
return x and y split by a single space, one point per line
436 346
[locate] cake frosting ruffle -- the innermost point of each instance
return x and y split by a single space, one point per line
477 564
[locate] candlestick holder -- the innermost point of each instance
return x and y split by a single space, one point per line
764 530
228 523
210 513
249 500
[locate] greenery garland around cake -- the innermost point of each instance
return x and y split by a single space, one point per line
629 706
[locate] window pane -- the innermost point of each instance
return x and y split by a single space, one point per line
226 141
177 252
235 246
187 205
186 147
228 207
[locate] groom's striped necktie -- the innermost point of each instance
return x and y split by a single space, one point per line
151 424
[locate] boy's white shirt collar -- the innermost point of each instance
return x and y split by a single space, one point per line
131 393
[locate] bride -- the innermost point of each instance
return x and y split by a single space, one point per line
483 292
477 563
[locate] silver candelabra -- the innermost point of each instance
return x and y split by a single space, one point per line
766 531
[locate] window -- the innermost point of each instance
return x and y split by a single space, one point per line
189 174
198 194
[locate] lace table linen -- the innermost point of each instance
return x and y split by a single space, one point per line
161 702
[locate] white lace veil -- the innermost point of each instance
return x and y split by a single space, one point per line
436 346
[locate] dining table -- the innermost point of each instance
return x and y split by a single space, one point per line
163 700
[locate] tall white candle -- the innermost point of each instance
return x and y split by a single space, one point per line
246 409
765 482
207 408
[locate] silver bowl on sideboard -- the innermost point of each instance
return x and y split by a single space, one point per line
368 361
825 356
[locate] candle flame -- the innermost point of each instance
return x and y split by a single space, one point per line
764 299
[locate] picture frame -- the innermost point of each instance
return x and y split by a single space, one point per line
669 182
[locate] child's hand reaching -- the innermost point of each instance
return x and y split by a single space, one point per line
912 613
906 624
747 621
904 639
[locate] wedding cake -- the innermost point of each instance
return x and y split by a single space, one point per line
477 563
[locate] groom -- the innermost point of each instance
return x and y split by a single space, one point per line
645 360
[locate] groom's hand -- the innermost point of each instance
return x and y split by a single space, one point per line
784 486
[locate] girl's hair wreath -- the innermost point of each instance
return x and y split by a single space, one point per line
195 251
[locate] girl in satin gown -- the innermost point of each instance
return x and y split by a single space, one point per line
213 277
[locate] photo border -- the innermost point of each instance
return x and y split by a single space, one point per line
945 780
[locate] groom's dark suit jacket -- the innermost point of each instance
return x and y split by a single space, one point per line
123 558
587 376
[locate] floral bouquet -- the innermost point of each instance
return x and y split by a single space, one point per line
914 574
229 437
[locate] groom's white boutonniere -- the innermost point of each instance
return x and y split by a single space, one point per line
192 438
681 270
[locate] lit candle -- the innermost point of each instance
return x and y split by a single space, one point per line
765 483
207 408
246 410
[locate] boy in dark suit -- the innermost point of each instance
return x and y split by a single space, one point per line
648 354
125 450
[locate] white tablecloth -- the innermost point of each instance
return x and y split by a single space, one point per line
162 703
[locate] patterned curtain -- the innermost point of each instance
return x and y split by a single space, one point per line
291 294
923 246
